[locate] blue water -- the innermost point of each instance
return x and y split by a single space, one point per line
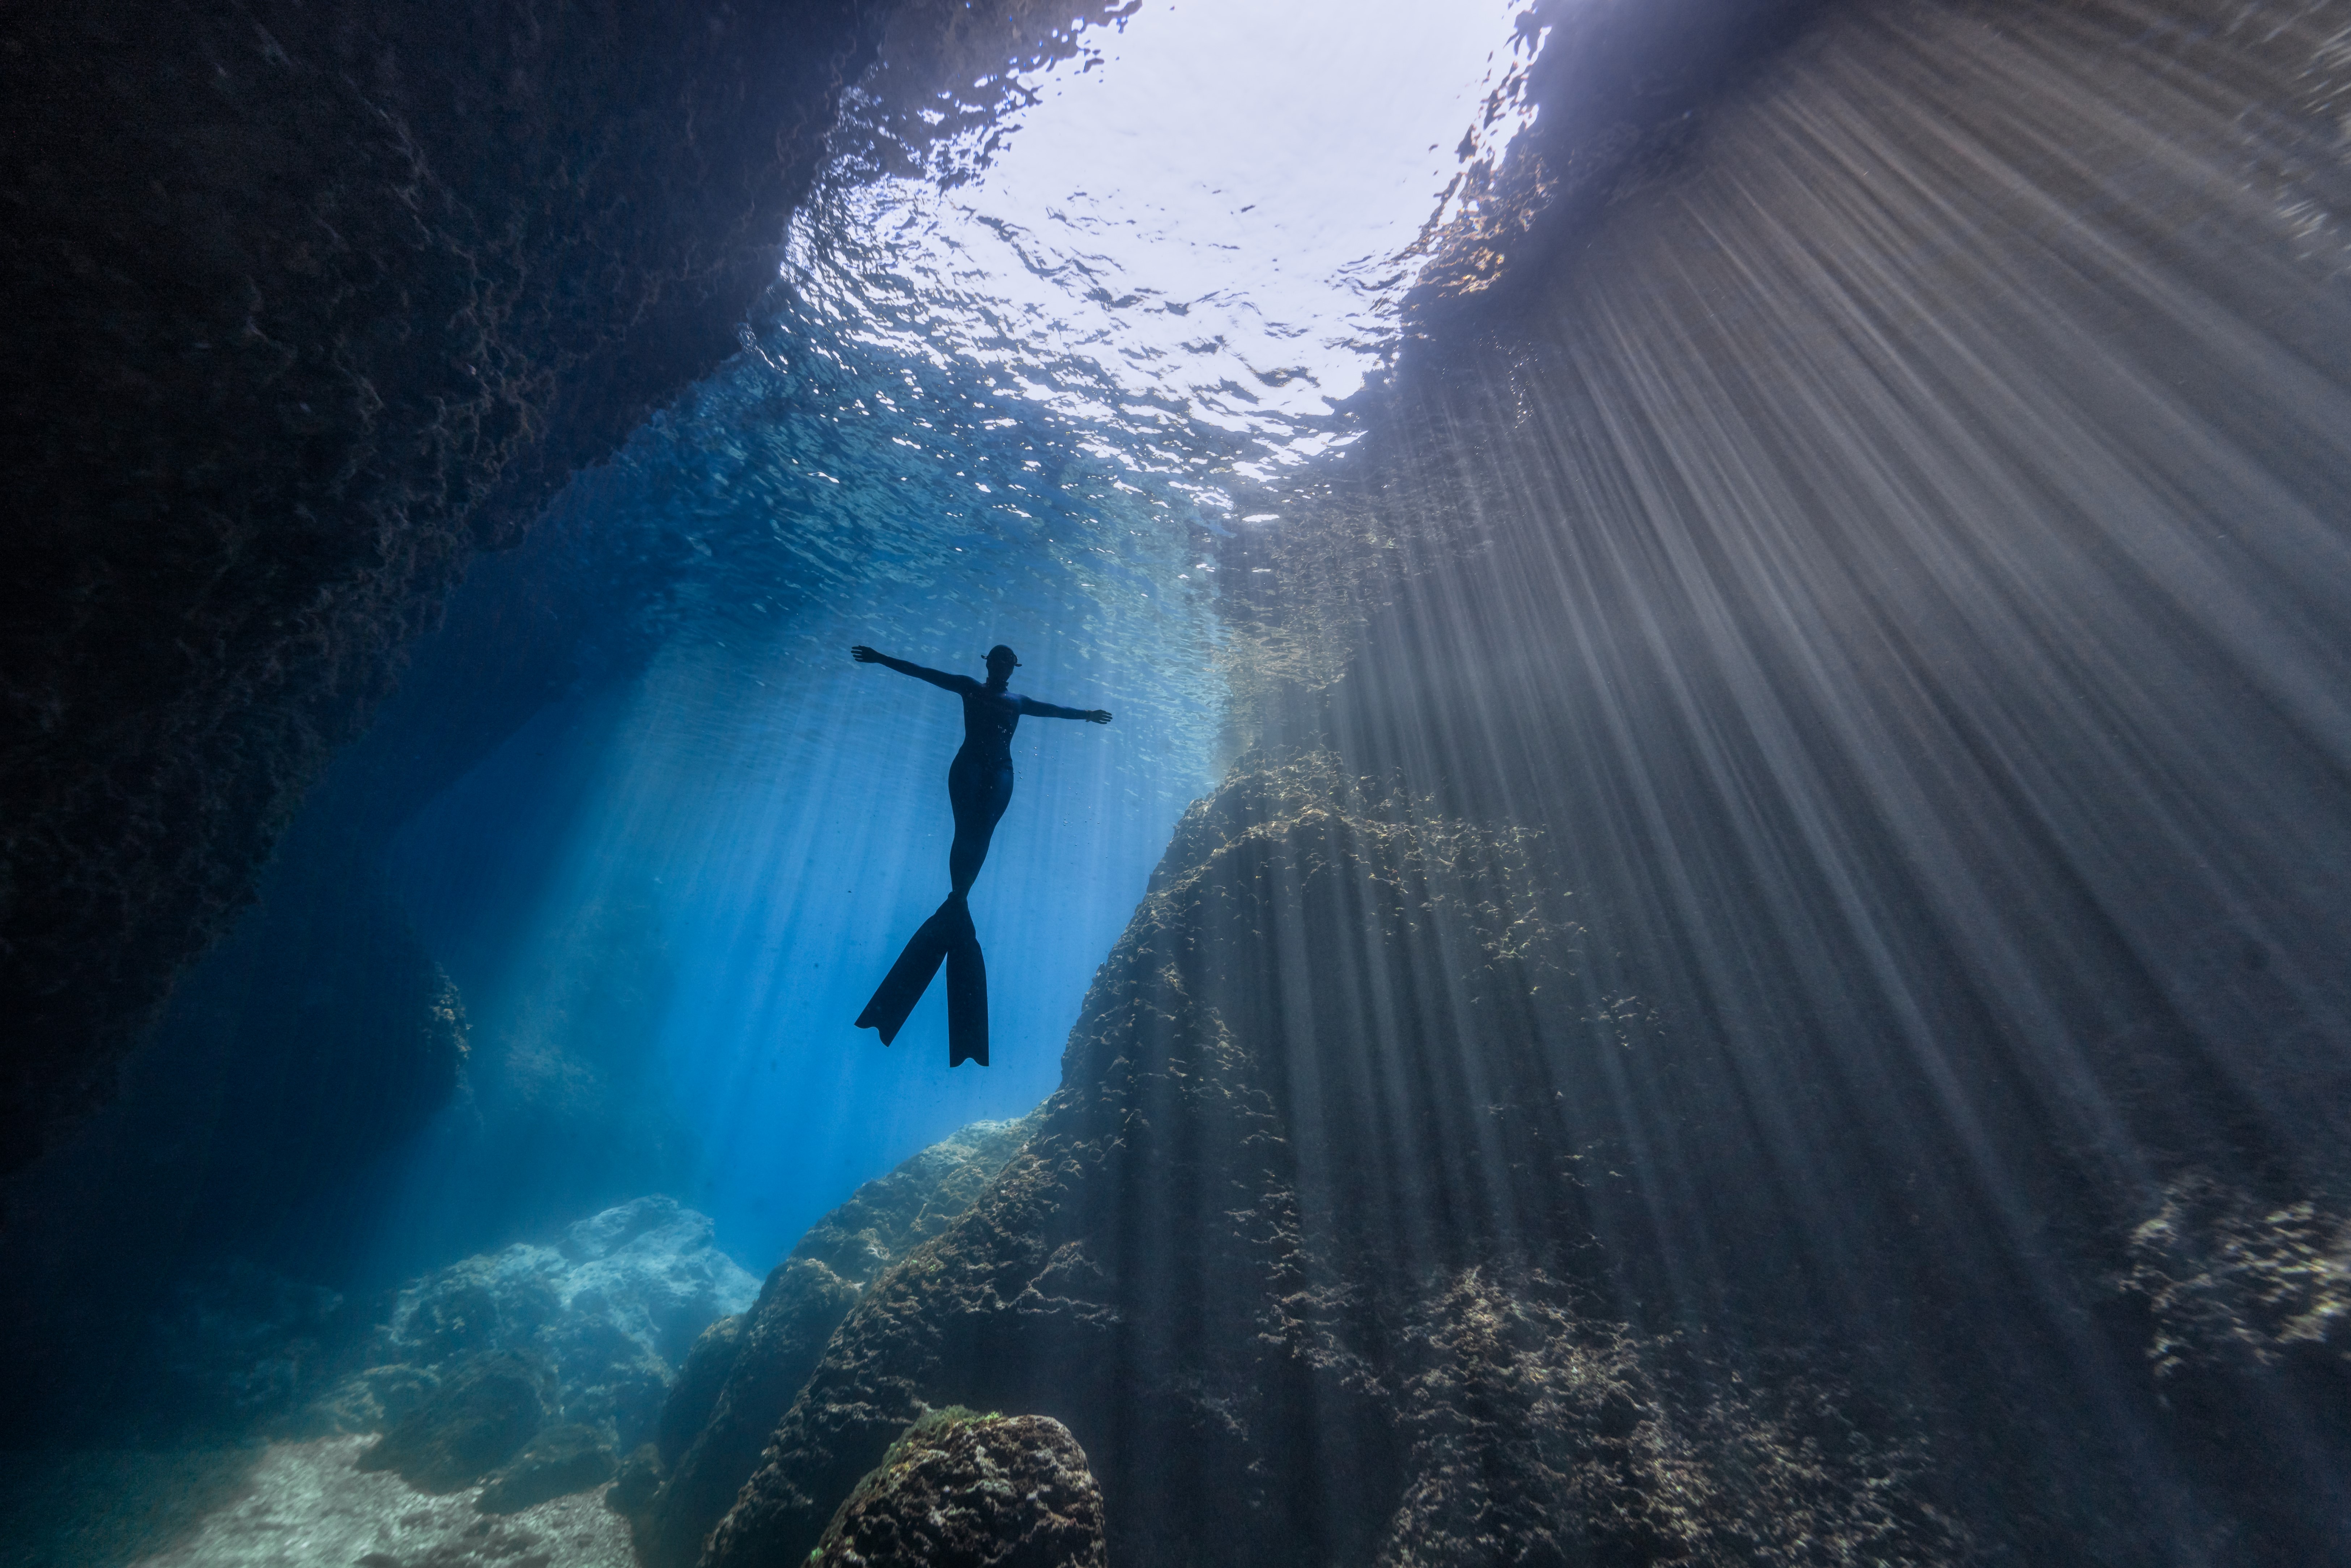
773 820
1017 384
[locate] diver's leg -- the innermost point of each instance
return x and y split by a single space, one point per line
978 795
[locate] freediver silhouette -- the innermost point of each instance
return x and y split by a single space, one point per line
979 786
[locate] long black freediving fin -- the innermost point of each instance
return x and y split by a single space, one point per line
966 999
910 976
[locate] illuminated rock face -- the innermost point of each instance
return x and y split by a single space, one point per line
306 303
1301 1289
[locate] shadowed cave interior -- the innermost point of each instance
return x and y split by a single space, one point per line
1712 928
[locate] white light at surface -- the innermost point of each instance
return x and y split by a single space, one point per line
1206 227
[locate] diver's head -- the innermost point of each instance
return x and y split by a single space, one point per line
1000 664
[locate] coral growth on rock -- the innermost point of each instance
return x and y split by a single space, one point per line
960 1489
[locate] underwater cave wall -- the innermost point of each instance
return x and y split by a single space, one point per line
308 302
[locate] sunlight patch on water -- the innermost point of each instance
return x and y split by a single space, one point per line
1194 235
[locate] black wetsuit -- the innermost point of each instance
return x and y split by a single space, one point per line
979 780
979 786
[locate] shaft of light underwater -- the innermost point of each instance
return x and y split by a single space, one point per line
1897 566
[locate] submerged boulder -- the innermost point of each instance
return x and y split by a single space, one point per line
611 1310
743 1375
2233 1286
472 1424
558 1462
961 1490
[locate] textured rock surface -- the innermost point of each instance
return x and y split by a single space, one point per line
743 1376
2236 1285
610 1312
311 299
1543 1436
2244 1308
699 1383
1209 1268
960 1489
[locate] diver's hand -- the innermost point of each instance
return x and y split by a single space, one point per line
865 655
1100 715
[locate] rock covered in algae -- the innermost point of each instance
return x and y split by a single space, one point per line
1538 1433
2244 1300
2234 1285
961 1490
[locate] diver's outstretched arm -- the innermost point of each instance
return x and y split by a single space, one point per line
1035 709
940 678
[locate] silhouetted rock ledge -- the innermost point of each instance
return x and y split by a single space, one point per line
1301 1289
961 1490
744 1372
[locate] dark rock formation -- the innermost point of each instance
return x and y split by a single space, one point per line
475 1422
314 1040
1279 1252
745 1374
960 1489
639 1478
238 1344
558 1462
699 1383
308 301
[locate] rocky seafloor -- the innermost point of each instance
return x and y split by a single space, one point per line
486 1419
